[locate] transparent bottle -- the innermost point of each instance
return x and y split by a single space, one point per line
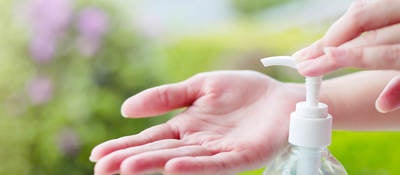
310 133
296 160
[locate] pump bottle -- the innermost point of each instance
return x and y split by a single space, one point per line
310 133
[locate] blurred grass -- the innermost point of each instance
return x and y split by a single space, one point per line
367 153
363 153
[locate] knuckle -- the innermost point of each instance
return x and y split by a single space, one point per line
357 7
359 57
199 78
392 56
396 52
359 54
354 57
163 96
336 61
332 61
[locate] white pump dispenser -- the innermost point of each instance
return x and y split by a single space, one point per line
309 133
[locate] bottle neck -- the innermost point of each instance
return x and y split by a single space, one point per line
309 159
296 148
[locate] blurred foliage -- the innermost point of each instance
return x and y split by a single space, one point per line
88 92
248 7
239 47
56 137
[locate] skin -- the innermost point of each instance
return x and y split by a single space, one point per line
210 134
232 121
366 36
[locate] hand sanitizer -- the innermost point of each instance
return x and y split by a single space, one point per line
310 133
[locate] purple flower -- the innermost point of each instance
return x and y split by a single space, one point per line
43 47
68 142
92 24
50 15
40 90
49 19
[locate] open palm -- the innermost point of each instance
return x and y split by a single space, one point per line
234 121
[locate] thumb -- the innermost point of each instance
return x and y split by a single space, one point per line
389 99
162 99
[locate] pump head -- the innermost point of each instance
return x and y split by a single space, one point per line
310 124
312 83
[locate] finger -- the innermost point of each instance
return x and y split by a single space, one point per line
225 163
374 57
319 66
159 132
362 16
154 162
110 164
389 99
383 36
159 100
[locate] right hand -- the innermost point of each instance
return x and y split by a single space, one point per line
366 36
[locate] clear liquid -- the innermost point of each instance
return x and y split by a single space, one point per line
303 161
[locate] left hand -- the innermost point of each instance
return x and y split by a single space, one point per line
234 121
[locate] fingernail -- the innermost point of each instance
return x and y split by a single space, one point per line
388 100
92 159
310 52
380 107
301 54
123 111
306 68
305 65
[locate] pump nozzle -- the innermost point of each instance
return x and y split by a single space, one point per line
287 61
310 124
312 83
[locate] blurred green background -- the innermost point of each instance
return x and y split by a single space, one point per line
66 66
